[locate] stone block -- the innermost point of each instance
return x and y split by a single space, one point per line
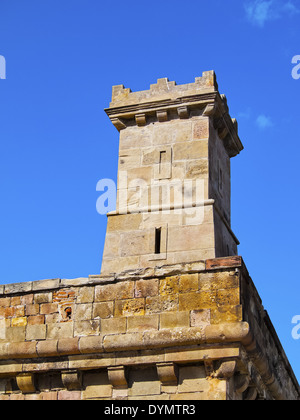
197 169
234 261
92 344
167 337
216 281
5 302
103 310
129 159
47 348
118 265
201 129
190 150
88 327
143 382
174 320
32 309
188 283
19 322
142 323
113 326
192 301
227 313
67 346
49 396
227 297
117 377
135 137
134 243
45 284
168 375
36 320
36 332
18 310
25 383
72 380
85 295
150 156
189 238
4 323
69 395
158 304
144 173
200 318
48 308
124 223
96 385
6 312
15 334
130 307
43 298
169 286
18 288
62 330
120 342
112 292
83 311
112 246
146 288
192 379
27 299
23 350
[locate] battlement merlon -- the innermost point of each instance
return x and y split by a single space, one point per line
166 100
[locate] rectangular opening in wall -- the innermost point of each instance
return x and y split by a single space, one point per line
157 241
163 156
163 168
220 177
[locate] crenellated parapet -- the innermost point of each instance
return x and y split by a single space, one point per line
166 101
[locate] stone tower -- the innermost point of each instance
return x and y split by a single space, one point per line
174 314
173 201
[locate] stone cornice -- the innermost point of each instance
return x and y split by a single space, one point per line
166 100
138 274
224 333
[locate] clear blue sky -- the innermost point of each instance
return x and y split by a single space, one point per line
62 59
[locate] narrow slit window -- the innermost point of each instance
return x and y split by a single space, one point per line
162 161
220 178
157 240
163 156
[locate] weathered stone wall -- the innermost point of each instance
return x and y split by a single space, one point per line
175 332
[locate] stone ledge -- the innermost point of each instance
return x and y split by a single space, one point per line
222 333
227 262
142 273
52 284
